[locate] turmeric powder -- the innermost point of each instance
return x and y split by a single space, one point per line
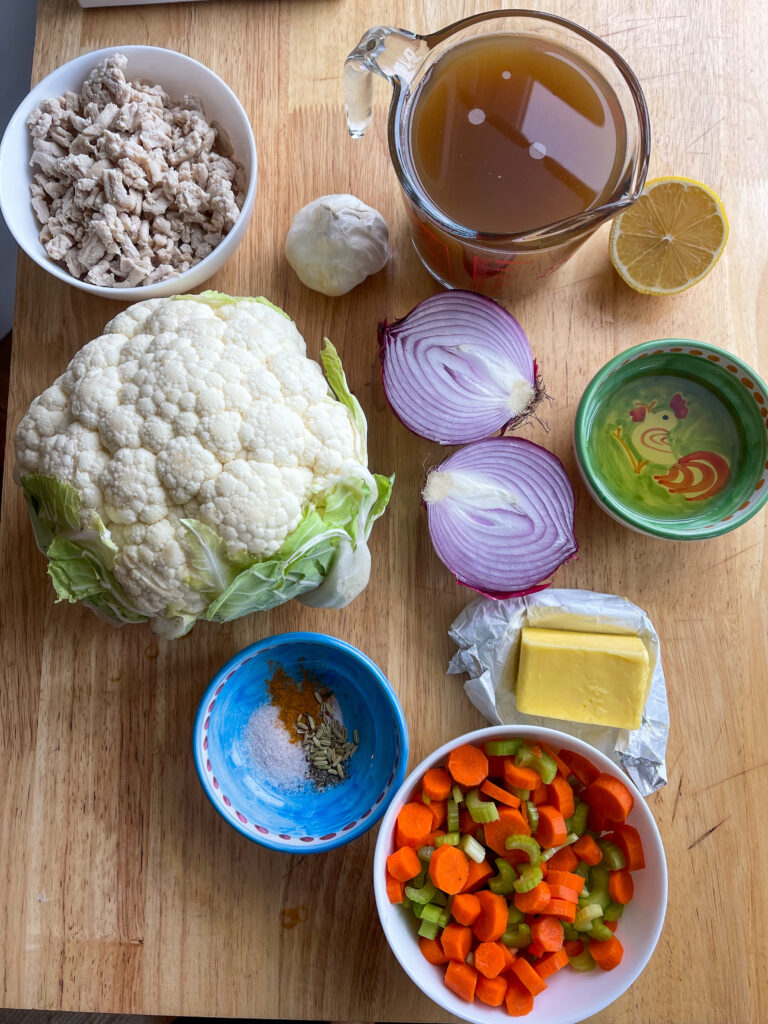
294 697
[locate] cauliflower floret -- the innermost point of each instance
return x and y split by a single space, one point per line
77 458
150 567
48 417
183 466
132 490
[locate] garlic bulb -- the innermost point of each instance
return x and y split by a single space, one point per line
335 242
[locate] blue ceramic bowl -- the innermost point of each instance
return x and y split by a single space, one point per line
301 819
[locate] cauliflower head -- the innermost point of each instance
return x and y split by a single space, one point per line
193 462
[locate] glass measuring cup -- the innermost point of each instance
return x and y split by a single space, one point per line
458 256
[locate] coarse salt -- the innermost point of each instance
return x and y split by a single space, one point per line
271 754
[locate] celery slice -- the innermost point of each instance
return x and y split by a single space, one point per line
503 883
582 962
517 936
421 895
586 915
440 899
502 748
521 794
529 878
514 916
613 912
482 811
525 843
428 929
430 912
457 795
449 839
599 931
542 764
613 857
452 816
472 849
533 815
578 820
425 852
426 799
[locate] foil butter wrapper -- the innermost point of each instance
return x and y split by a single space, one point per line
488 633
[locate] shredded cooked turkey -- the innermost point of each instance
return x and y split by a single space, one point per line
129 186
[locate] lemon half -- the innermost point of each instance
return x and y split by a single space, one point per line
670 238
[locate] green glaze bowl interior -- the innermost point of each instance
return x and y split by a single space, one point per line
671 438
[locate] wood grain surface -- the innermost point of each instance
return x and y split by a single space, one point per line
121 889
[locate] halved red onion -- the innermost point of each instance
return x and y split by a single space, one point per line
458 368
501 515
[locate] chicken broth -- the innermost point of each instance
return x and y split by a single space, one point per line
510 132
666 445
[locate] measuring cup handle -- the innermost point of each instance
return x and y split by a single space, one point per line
393 53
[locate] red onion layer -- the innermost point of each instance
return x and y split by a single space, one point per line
500 515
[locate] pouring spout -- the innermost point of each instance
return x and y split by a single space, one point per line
393 53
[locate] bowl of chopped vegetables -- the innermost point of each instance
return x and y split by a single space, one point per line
518 872
300 742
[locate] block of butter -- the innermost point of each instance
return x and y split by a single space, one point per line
597 678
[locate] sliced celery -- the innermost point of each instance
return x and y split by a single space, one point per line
514 916
598 887
613 912
452 816
421 895
482 811
517 936
599 931
421 878
503 883
533 815
449 839
525 843
586 915
406 903
473 849
542 764
521 794
429 929
582 962
502 748
426 799
578 820
440 899
613 857
569 932
430 912
445 918
529 878
582 868
425 852
457 795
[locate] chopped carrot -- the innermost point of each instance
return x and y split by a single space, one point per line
457 942
566 878
607 954
414 823
465 908
467 824
468 765
562 892
518 1000
539 794
586 849
520 778
627 838
489 960
562 767
511 823
610 797
573 947
534 949
404 864
478 875
526 974
509 956
395 889
547 932
561 796
515 857
437 784
432 951
612 925
563 860
535 900
562 909
492 922
439 810
621 887
551 963
461 979
583 769
449 869
498 794
551 830
491 991
598 822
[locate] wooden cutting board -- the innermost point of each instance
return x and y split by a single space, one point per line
122 889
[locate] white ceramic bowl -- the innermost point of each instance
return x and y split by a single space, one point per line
570 997
178 74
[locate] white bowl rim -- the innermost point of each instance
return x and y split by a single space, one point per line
480 1013
140 292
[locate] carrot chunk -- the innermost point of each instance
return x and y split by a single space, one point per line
465 908
498 794
520 778
461 979
550 963
456 941
547 932
563 860
535 900
492 920
509 957
518 1000
395 889
539 794
607 954
432 951
562 892
468 765
621 887
609 797
573 947
491 991
566 878
551 830
560 796
512 823
562 909
489 960
437 784
449 869
562 767
467 824
586 849
579 766
627 838
404 864
526 974
478 874
414 823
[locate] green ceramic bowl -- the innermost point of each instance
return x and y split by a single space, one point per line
671 438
